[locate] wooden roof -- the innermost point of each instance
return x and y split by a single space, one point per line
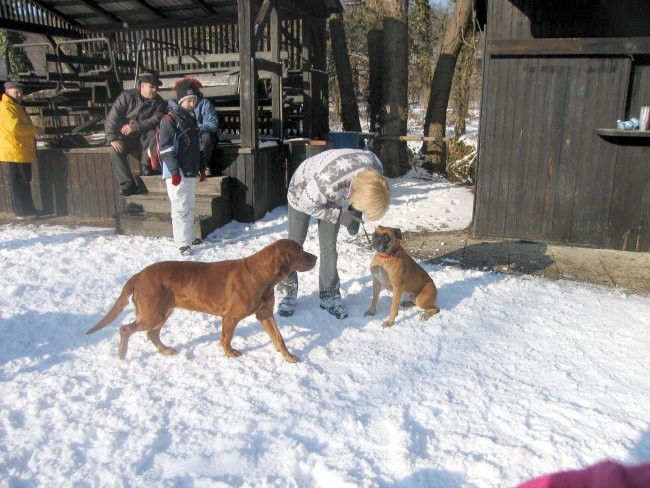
72 17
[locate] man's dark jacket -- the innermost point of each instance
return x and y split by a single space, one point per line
131 108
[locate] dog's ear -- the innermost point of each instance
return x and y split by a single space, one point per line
284 267
398 233
283 262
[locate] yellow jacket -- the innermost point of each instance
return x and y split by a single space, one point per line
17 143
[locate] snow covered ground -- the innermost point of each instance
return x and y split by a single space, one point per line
517 376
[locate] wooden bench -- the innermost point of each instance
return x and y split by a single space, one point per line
89 61
218 58
217 80
218 83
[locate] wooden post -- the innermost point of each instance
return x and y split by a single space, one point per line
306 76
319 78
247 77
276 79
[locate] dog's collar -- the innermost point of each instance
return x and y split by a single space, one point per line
398 250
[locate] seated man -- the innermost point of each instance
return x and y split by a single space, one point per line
131 126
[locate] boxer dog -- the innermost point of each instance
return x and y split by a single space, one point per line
393 269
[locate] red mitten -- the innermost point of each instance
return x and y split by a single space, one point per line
176 179
203 177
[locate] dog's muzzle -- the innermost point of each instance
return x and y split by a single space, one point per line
380 242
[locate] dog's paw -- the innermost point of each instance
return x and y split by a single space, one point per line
290 358
428 313
370 311
232 353
387 323
121 349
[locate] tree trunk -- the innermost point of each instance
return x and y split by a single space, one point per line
436 119
349 107
462 84
375 67
393 152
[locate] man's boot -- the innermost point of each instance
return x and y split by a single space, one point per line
287 292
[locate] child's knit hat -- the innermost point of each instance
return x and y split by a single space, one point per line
185 89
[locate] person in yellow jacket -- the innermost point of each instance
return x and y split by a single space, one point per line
18 147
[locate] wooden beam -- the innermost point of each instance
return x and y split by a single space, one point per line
39 29
152 9
128 27
248 75
306 65
411 138
203 6
53 11
270 66
608 46
65 58
263 17
277 115
219 57
101 10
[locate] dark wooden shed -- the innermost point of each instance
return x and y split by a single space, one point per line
262 63
552 166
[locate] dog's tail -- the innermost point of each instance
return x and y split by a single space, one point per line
120 304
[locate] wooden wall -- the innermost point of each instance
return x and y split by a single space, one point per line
79 183
219 38
72 182
257 181
544 172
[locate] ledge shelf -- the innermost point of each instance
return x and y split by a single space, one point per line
622 133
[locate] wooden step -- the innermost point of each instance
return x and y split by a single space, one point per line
160 225
215 185
148 214
159 203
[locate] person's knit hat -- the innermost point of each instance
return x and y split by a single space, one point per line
149 78
13 84
194 81
185 89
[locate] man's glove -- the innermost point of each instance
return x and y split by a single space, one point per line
176 179
202 174
351 220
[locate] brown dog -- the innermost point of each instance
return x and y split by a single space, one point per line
393 269
232 289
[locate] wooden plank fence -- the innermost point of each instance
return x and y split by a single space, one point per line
555 77
71 182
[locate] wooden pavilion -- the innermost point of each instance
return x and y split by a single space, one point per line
552 165
262 64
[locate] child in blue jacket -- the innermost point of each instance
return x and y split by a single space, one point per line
179 143
206 116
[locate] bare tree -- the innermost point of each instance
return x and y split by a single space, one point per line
462 84
435 150
349 107
422 40
394 100
375 68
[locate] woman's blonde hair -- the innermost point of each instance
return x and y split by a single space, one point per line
370 194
